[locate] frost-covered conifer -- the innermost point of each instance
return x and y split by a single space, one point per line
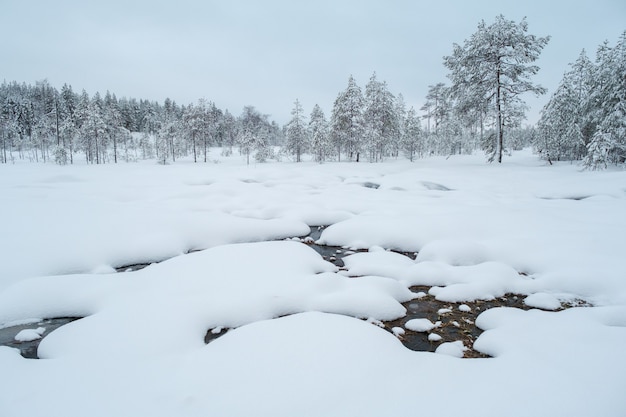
318 131
380 121
347 121
412 143
494 67
562 133
297 135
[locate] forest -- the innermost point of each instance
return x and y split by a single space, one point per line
482 108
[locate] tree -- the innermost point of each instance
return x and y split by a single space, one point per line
254 134
494 68
113 119
608 100
193 122
436 106
228 131
411 135
381 124
563 131
318 131
297 138
347 120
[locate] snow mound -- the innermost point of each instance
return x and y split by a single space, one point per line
455 349
458 252
28 335
420 325
543 300
484 281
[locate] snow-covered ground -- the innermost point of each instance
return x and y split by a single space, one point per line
552 233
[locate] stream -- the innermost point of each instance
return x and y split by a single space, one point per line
454 321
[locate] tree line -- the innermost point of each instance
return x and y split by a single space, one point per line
585 118
482 108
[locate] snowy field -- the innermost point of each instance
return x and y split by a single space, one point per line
298 344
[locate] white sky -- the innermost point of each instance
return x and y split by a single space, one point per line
268 53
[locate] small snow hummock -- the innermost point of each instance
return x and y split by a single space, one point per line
398 331
433 337
420 294
455 349
465 308
420 325
28 335
443 311
543 300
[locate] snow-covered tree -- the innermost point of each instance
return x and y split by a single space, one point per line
347 121
395 144
608 99
598 151
194 124
494 68
228 129
380 121
321 146
412 142
254 135
297 135
436 106
563 132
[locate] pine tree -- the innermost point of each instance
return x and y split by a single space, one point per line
228 129
412 135
563 134
297 137
347 121
598 151
318 131
609 99
193 122
494 67
380 119
69 128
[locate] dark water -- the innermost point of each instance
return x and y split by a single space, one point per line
29 349
454 324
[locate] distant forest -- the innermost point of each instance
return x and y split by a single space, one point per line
584 119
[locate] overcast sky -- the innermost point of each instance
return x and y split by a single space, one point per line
269 53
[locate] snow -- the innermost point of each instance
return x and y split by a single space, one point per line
455 349
28 335
420 325
303 337
434 337
543 300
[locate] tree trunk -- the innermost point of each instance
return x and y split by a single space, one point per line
193 139
114 149
499 117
